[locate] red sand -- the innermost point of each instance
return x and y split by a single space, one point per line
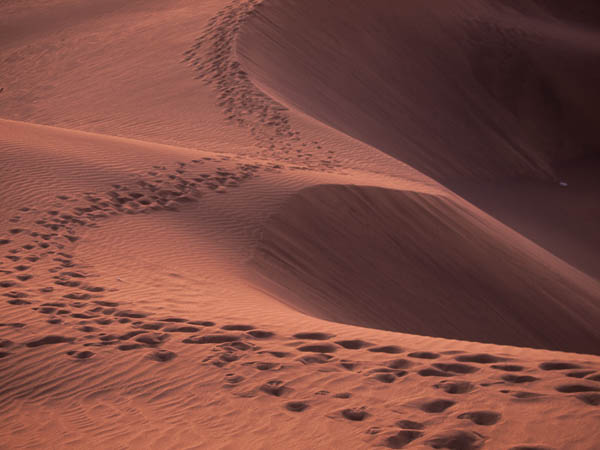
288 224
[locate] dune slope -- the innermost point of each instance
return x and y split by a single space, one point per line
471 93
472 89
424 264
185 255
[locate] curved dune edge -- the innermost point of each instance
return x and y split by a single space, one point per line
477 90
492 99
423 264
126 320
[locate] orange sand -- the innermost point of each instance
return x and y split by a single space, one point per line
306 225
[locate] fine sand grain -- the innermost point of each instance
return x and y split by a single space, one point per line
299 224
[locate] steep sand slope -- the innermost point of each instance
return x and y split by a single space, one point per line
470 90
424 264
132 314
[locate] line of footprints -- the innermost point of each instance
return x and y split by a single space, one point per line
241 101
72 302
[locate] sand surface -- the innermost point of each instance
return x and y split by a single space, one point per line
299 224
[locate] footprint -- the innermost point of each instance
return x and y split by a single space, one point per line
103 321
485 418
402 438
508 367
130 314
457 368
343 395
276 354
260 334
275 388
232 378
203 323
296 406
481 358
86 354
93 288
152 339
55 304
130 334
392 349
163 355
13 325
572 388
455 387
355 414
410 425
579 373
105 303
592 398
399 364
355 344
457 440
316 358
151 326
314 336
431 372
524 395
385 377
87 329
266 365
237 327
78 296
212 339
127 347
49 340
424 355
82 316
67 283
185 329
517 379
558 366
233 346
318 348
16 294
18 302
436 406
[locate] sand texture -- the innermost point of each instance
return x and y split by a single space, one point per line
286 224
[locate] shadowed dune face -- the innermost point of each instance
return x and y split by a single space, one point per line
469 89
423 264
586 12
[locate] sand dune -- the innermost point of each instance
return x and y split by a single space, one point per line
455 90
271 225
424 264
485 91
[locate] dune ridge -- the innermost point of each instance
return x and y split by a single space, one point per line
161 289
488 98
424 264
